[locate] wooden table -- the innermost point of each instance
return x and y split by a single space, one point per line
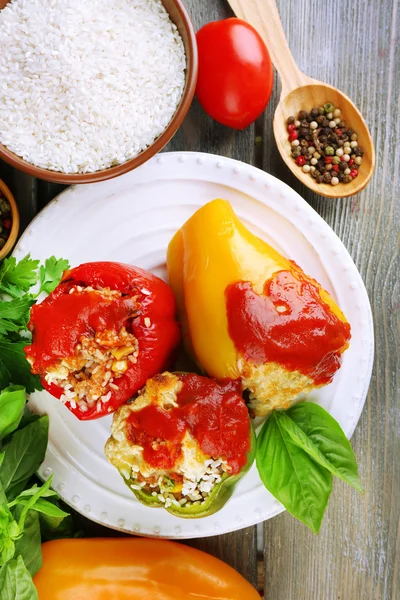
351 44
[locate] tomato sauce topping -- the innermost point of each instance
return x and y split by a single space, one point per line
59 322
214 414
289 324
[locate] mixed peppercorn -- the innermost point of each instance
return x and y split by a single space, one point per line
324 146
5 220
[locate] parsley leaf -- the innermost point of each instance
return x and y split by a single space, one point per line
14 366
51 272
16 279
14 315
22 274
15 309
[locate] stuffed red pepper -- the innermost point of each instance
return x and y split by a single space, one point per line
101 334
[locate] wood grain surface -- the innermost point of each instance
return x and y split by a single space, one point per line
354 45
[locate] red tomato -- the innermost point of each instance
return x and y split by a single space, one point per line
235 72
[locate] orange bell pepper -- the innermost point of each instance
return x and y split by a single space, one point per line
248 312
135 569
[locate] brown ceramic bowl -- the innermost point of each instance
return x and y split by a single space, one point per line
180 17
15 221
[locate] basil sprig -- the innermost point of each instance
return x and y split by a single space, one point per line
16 581
298 451
28 513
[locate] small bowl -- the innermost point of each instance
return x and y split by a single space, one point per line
12 238
180 17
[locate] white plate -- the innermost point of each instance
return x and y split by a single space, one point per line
131 219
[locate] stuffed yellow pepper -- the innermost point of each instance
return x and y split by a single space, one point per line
249 313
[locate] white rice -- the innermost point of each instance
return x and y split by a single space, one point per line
87 84
195 490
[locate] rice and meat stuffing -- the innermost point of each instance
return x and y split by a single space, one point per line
159 441
91 374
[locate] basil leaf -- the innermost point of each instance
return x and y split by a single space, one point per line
3 497
312 428
29 545
31 502
9 533
12 406
15 490
32 491
24 453
12 388
287 471
53 529
50 510
7 550
28 418
16 582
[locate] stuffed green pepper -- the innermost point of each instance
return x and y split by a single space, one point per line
183 443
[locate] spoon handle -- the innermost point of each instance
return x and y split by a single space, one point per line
263 15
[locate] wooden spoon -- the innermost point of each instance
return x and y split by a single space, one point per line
300 92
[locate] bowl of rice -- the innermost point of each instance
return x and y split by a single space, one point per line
91 90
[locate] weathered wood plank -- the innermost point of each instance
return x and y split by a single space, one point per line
47 191
238 549
352 44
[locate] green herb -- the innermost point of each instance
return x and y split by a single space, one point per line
20 276
300 484
12 404
14 366
46 493
13 313
16 299
16 582
50 510
29 546
27 418
55 528
51 272
33 499
24 453
23 439
298 450
9 532
316 431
